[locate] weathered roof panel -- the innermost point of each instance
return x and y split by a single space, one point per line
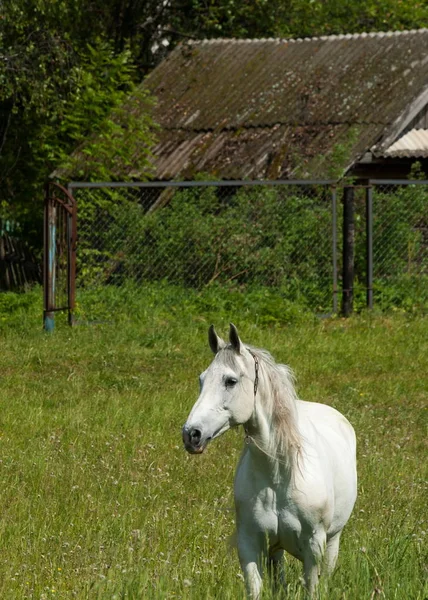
281 108
414 144
281 151
257 83
260 108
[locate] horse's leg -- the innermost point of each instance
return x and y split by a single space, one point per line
251 551
312 559
277 570
331 552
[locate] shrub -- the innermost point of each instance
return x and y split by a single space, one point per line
278 237
250 236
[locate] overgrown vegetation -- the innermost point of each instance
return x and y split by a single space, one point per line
99 498
66 67
250 236
253 237
57 90
400 247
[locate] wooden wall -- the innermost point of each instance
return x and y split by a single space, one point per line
19 266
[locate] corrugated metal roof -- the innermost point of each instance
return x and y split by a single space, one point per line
414 144
279 108
257 83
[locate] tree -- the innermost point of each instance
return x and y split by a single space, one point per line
56 91
294 18
67 66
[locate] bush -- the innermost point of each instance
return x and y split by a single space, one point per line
400 247
164 303
270 236
274 237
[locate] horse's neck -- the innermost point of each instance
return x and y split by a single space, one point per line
264 445
259 437
259 429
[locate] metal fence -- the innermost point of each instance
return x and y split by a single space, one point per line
59 264
287 235
399 215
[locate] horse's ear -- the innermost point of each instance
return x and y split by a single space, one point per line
234 339
216 343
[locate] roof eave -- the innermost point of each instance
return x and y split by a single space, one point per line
401 123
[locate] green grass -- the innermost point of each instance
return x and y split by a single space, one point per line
99 500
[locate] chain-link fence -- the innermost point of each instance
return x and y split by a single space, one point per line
400 244
282 235
213 233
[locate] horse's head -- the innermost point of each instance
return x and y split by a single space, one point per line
227 392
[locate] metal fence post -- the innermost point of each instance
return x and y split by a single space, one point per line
59 259
71 258
334 250
348 251
369 245
49 263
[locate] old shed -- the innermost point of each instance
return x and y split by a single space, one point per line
305 108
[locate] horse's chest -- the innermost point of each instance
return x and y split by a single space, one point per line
264 511
276 516
289 530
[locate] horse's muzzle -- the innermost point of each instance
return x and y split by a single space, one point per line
192 439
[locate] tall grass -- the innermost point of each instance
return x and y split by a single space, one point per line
99 499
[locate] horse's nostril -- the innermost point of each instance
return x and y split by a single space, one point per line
195 436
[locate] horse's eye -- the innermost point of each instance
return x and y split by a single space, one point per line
230 381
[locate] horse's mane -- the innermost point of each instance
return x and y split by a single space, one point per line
280 404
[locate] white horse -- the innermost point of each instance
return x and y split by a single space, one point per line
296 482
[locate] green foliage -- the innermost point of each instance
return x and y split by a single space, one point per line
416 173
104 85
400 248
251 237
298 18
247 237
57 90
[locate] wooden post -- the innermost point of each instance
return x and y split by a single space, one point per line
348 251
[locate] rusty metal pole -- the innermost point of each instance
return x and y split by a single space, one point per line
348 251
72 239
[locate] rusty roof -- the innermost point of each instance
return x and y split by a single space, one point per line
278 108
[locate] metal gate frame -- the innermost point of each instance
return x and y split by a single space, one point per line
60 235
348 246
61 207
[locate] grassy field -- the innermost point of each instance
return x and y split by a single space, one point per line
99 499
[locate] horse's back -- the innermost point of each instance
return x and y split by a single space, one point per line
329 447
325 419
